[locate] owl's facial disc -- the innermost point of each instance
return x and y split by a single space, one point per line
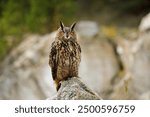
67 33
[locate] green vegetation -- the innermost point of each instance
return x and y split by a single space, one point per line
18 17
3 47
33 15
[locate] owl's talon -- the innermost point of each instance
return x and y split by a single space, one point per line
58 86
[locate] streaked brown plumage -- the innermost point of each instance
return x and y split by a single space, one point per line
65 55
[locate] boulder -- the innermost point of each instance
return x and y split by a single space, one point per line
87 28
99 65
75 89
145 24
141 66
135 55
25 73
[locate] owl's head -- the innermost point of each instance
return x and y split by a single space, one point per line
66 32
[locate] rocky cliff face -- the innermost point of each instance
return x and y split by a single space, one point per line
135 56
25 74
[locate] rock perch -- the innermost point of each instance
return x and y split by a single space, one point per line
75 89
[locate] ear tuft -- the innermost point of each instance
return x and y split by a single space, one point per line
72 26
61 25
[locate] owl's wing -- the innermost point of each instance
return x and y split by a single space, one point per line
79 51
53 60
79 48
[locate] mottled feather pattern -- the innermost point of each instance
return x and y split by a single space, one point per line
64 58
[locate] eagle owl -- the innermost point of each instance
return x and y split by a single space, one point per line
65 55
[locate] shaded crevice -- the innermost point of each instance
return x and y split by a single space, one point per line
121 66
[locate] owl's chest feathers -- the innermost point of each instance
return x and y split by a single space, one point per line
67 53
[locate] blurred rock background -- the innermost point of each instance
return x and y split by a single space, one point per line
114 36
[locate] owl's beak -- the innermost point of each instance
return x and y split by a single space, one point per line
66 36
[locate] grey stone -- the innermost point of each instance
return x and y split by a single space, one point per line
145 23
75 89
87 28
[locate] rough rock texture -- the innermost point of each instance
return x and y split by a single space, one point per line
75 89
